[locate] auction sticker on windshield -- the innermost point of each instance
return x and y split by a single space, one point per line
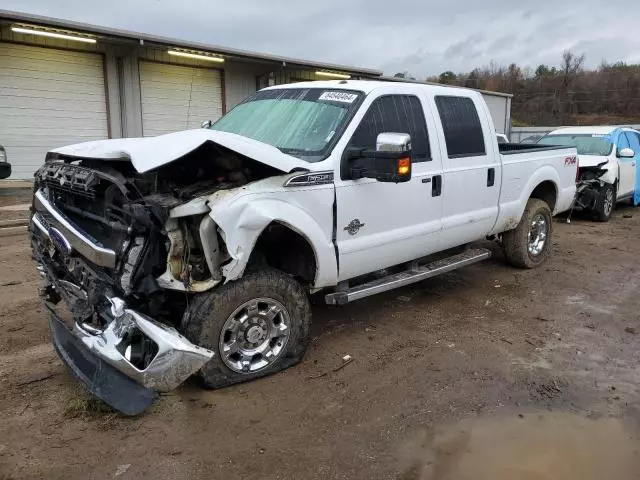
343 97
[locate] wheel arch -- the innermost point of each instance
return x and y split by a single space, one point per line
547 191
282 247
242 224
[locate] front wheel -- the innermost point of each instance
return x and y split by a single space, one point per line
605 201
256 326
529 244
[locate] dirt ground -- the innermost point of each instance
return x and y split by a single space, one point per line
485 373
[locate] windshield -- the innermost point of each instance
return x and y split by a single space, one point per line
586 144
304 122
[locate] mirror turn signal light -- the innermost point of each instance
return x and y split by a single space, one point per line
404 166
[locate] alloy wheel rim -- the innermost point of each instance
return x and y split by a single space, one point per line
538 232
608 202
254 335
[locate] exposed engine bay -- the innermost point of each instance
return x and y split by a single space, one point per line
156 259
589 185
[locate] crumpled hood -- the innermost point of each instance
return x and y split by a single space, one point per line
152 152
593 160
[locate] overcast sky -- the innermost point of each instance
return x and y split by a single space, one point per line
422 37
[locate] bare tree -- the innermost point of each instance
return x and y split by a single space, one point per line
571 67
566 93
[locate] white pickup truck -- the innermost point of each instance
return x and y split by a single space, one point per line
197 251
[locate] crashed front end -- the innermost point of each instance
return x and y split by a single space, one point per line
106 241
590 185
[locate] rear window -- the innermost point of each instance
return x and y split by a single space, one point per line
586 144
462 128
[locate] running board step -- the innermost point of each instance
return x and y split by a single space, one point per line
408 277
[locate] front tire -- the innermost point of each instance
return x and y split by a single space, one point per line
256 326
604 203
529 244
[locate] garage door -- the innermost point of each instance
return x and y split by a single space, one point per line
178 98
48 98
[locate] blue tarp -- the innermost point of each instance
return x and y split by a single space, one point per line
628 141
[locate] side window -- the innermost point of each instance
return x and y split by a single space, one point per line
397 114
623 141
462 128
634 140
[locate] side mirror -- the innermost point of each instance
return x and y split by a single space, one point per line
206 124
389 162
626 153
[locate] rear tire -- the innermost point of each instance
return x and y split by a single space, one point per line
529 244
604 203
231 317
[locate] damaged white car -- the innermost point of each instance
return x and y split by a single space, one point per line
196 252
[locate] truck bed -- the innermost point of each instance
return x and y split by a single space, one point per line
523 168
513 148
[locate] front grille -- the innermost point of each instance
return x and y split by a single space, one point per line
89 199
62 177
94 209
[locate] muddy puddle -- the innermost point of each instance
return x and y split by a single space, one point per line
546 446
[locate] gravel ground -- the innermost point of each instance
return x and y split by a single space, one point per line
484 373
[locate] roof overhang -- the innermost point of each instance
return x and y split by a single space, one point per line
7 16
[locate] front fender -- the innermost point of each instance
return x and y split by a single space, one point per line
242 221
613 169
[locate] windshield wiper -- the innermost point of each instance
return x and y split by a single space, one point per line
295 151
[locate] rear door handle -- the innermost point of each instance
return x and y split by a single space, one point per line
436 186
491 177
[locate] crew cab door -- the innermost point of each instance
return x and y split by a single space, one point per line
627 180
471 167
384 224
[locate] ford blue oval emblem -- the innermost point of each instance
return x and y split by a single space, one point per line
59 241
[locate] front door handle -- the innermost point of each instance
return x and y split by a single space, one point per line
436 186
491 177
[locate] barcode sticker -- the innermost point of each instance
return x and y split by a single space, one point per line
343 97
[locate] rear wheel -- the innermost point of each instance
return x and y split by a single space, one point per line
529 244
257 325
604 203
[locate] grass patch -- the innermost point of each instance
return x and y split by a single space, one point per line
85 406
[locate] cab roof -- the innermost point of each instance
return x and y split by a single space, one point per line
368 86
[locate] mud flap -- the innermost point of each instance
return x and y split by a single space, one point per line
102 380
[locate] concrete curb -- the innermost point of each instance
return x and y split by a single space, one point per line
11 231
16 184
20 207
18 222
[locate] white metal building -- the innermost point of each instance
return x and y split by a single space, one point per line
63 82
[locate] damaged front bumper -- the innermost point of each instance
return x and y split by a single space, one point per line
102 380
173 360
127 356
103 359
587 194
